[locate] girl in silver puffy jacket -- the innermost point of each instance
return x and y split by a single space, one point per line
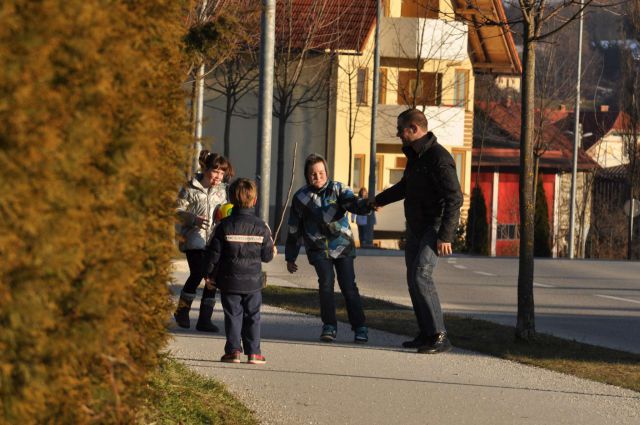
198 202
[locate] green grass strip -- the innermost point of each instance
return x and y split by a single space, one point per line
178 395
587 361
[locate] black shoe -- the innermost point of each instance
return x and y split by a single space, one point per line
206 326
439 343
416 342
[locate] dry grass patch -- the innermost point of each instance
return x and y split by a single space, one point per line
177 395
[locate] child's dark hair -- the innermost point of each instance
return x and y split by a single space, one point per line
214 161
312 160
243 193
203 155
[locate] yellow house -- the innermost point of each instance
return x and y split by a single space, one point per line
429 53
431 44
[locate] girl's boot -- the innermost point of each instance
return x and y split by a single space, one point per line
182 312
204 319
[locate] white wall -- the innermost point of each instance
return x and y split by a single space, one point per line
424 38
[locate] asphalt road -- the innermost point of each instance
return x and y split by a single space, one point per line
597 302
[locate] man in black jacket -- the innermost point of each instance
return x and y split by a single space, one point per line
240 244
432 201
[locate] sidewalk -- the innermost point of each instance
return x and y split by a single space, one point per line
309 382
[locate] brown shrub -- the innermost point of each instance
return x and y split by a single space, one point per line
91 135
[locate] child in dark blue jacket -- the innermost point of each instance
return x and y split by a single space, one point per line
240 244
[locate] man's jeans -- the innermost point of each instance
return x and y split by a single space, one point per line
347 282
421 259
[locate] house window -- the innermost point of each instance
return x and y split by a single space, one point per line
420 9
427 89
382 95
395 176
459 156
362 84
396 173
386 7
508 232
461 88
401 162
358 171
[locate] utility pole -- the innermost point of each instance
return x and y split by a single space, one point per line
374 101
577 136
265 105
199 105
632 165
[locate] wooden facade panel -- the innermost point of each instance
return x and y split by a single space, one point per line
492 47
468 130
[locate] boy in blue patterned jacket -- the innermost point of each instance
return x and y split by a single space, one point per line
319 217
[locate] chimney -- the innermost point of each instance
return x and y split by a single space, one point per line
604 108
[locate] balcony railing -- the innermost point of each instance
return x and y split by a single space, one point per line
410 38
446 122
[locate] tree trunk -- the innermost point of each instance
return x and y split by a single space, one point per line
282 123
630 222
328 107
227 127
525 326
536 169
350 132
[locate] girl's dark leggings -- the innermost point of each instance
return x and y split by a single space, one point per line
198 260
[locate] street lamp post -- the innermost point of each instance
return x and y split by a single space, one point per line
576 141
199 104
265 105
374 103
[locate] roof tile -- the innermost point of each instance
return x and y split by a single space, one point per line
325 24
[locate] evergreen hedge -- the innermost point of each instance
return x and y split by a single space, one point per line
477 238
92 130
541 230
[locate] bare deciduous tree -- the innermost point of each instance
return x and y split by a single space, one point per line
433 55
537 20
355 70
303 32
237 75
212 35
233 80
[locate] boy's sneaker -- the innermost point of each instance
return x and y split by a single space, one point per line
231 357
361 335
256 359
329 333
